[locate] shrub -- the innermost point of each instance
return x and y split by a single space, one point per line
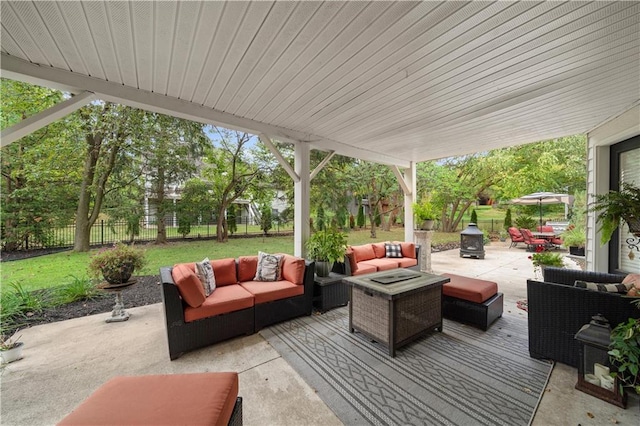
77 289
360 219
526 222
507 219
474 216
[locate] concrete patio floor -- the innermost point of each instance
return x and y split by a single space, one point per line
65 362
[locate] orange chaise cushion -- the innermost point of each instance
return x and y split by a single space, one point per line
406 262
189 285
197 398
225 271
381 264
225 299
363 268
471 289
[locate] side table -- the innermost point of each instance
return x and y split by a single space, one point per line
329 292
118 314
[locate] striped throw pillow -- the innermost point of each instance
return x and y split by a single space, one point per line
608 288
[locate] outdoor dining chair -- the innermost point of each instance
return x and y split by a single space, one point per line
516 236
532 242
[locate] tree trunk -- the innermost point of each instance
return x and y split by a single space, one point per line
86 214
161 236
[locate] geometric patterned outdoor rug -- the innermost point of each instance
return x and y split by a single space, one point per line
462 376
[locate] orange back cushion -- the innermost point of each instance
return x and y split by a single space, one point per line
363 252
408 250
379 250
293 269
247 266
225 271
188 284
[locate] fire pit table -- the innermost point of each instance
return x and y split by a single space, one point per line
395 307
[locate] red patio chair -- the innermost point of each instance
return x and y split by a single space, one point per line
531 241
553 240
545 228
516 236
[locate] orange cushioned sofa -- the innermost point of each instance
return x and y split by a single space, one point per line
368 258
239 305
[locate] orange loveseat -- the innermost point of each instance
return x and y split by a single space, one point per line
368 258
238 305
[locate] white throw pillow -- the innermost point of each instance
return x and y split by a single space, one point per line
269 267
204 270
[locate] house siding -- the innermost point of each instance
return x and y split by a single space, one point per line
618 129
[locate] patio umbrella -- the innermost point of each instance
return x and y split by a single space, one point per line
541 198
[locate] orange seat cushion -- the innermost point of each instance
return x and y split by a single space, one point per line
200 398
381 264
363 269
471 289
268 291
229 298
406 262
189 285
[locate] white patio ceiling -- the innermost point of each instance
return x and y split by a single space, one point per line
391 82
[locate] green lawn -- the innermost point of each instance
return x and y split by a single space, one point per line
58 269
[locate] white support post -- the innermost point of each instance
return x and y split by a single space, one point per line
409 199
44 118
302 190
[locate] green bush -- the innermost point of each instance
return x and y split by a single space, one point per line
77 289
526 222
508 223
360 219
474 216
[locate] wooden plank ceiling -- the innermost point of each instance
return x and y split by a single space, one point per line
387 81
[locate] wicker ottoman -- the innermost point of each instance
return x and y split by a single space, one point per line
472 301
201 398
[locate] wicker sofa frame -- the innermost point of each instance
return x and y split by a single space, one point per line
185 336
557 310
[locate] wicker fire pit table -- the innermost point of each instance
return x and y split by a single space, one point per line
395 307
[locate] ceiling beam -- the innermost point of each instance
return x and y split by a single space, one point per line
323 163
44 118
22 70
266 140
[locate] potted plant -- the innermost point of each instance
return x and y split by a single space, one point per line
326 247
10 348
575 237
615 207
425 214
625 353
542 259
116 264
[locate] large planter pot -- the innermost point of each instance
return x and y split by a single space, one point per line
427 225
576 251
118 276
12 354
322 268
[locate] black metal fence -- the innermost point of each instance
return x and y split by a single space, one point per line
106 232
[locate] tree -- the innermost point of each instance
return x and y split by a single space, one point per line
113 137
173 144
474 216
508 222
376 183
232 225
195 205
320 218
266 217
231 172
360 218
40 172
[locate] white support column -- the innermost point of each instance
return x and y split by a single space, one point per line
409 199
302 189
44 118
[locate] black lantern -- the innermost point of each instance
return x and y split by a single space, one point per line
472 242
594 375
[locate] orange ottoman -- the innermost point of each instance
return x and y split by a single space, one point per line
201 398
471 300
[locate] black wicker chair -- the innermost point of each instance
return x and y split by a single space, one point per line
557 310
185 336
